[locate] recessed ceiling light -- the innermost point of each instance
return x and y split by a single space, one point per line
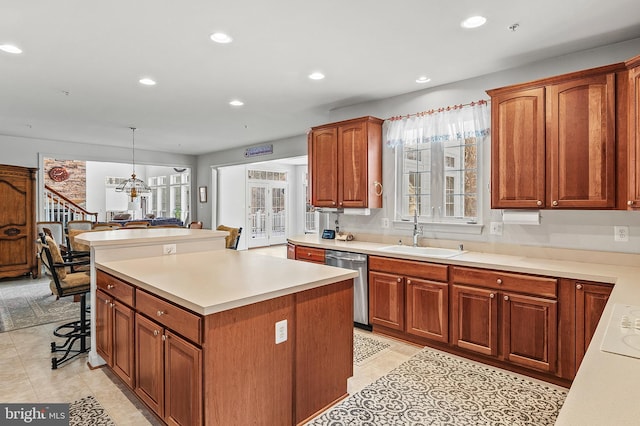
236 102
147 81
473 22
10 48
316 76
423 79
221 38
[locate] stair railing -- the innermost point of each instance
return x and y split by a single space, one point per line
58 208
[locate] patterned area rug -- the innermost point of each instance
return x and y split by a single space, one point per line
88 411
364 347
27 303
433 388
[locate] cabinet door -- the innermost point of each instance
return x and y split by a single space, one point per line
183 382
529 331
590 302
386 300
518 150
323 152
427 309
634 138
475 319
104 326
352 165
149 367
581 141
123 342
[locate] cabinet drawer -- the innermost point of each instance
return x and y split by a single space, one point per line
115 287
169 315
310 254
540 286
428 271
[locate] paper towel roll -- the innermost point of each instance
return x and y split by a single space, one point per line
521 217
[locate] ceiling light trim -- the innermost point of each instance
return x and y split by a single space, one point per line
10 48
473 22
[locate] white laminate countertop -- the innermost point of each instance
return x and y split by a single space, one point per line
146 236
603 391
213 281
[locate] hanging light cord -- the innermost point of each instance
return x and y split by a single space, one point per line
133 137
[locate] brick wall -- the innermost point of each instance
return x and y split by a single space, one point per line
75 186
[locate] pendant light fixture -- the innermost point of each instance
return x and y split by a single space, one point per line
133 186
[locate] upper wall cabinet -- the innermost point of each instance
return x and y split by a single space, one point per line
554 142
633 164
345 164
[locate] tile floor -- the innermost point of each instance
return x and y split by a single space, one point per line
26 375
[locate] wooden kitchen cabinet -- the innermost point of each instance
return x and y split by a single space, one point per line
291 251
114 325
386 300
17 221
518 310
518 152
168 373
569 121
581 139
310 254
633 157
345 164
474 319
581 306
409 296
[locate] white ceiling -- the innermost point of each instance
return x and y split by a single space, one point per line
77 79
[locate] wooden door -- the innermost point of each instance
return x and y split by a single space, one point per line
475 319
518 149
427 309
104 326
149 363
633 200
581 142
323 167
529 331
352 165
386 300
123 342
183 382
590 301
17 221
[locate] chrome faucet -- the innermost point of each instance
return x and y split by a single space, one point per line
416 231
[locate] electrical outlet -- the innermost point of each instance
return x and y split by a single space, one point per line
281 331
385 222
621 233
495 228
169 249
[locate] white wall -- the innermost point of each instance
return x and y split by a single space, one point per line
565 229
232 196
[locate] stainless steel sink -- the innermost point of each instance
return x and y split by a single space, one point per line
422 251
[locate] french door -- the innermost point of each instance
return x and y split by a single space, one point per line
267 214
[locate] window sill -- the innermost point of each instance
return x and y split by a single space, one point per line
449 228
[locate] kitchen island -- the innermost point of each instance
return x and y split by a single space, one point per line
223 337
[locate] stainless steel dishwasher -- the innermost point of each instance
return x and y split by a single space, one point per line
356 262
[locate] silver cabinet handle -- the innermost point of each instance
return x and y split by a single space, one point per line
409 282
492 295
110 286
579 287
506 298
630 202
555 203
156 332
399 279
160 313
539 203
499 281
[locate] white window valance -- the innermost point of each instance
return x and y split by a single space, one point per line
445 124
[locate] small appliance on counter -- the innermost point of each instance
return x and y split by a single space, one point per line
328 234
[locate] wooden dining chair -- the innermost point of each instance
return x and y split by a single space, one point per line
195 225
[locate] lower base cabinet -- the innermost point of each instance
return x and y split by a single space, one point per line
474 320
427 306
225 368
168 373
